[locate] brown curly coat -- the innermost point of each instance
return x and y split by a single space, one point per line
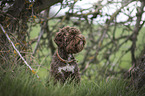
64 66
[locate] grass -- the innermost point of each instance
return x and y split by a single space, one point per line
23 83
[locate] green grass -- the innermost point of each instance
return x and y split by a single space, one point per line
22 83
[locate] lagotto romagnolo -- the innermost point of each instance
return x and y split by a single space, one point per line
64 66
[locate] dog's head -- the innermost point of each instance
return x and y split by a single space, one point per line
70 39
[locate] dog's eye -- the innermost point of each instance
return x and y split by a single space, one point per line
81 42
59 35
60 40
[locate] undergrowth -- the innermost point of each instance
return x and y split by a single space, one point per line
21 82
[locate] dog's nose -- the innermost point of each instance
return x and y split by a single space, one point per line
81 42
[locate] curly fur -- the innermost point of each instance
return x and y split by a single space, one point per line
69 41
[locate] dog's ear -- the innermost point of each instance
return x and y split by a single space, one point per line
59 39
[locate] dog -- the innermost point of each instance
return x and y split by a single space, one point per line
64 66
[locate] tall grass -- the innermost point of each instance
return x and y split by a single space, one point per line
21 82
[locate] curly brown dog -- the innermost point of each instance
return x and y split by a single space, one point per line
63 66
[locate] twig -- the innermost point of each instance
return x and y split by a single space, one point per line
42 62
18 51
38 41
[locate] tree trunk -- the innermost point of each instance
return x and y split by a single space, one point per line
138 73
138 66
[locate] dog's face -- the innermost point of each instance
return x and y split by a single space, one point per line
70 39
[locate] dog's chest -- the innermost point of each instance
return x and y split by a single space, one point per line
67 68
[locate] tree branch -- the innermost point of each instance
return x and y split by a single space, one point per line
44 4
18 51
